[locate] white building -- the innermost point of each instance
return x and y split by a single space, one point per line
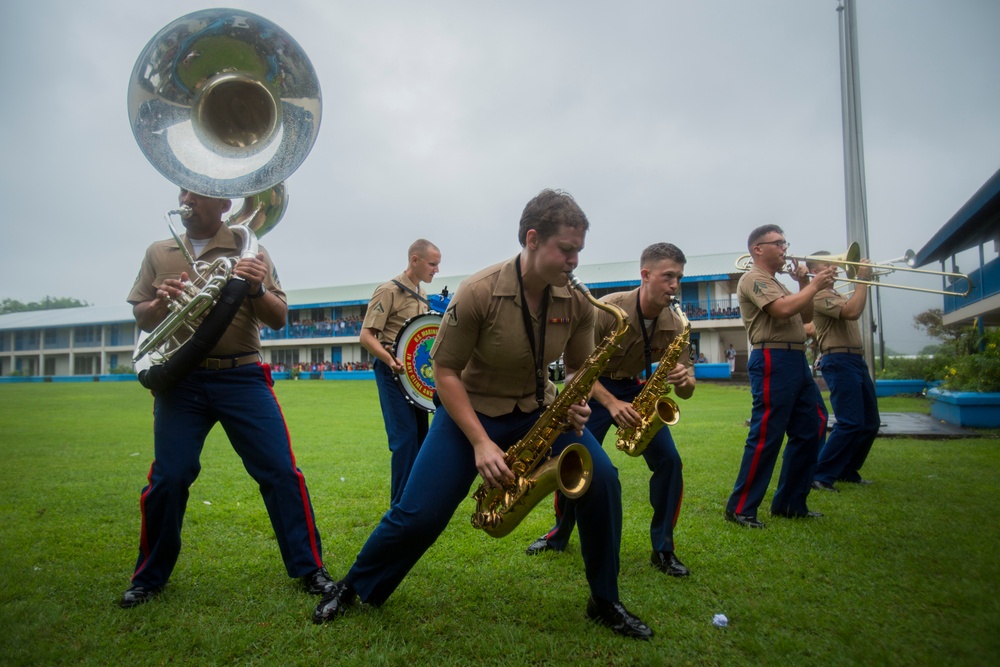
323 323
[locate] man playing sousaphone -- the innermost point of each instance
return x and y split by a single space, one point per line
230 386
391 306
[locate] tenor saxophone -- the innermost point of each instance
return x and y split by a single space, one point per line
653 404
536 474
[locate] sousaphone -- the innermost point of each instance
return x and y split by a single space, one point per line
223 103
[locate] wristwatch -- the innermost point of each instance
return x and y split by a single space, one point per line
261 292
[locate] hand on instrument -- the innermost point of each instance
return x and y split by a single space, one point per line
253 270
578 415
799 271
679 375
492 466
169 289
396 365
624 415
824 278
865 272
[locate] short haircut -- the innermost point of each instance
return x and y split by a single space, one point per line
420 247
547 212
660 251
761 232
814 264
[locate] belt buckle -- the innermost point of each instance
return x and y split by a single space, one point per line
212 363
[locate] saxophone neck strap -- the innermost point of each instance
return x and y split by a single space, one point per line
537 351
646 351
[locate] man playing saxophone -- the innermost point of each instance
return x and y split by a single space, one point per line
502 328
654 327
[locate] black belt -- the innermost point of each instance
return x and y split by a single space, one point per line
616 375
235 361
843 350
801 347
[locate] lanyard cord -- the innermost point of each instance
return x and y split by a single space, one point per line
646 351
537 353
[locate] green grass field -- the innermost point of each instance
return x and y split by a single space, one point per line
902 572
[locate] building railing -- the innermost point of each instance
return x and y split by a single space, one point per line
324 329
723 309
985 283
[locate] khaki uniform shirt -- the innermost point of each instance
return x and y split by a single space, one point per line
831 331
482 335
164 260
390 307
630 360
756 289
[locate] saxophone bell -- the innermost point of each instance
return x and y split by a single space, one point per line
653 404
668 411
570 473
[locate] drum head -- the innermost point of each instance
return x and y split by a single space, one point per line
413 348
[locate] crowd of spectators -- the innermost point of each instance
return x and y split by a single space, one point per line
693 311
314 367
348 326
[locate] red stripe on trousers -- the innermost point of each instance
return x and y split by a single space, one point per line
762 437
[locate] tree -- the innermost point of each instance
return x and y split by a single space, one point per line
48 303
957 339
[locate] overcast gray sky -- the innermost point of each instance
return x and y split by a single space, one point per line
689 122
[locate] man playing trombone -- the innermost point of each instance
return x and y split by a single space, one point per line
852 392
785 396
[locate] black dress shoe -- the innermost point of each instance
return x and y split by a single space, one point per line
319 582
668 563
540 545
745 520
790 515
137 595
334 603
824 486
615 616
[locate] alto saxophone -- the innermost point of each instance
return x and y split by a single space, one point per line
653 404
536 475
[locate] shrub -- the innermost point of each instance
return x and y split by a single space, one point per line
928 369
979 371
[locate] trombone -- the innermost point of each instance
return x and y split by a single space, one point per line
850 260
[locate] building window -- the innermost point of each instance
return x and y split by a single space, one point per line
83 365
86 337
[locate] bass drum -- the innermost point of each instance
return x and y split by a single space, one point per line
413 347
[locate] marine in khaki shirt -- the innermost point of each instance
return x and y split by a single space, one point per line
165 261
757 289
831 330
630 360
483 337
485 376
391 307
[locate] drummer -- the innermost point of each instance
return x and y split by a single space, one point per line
393 303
